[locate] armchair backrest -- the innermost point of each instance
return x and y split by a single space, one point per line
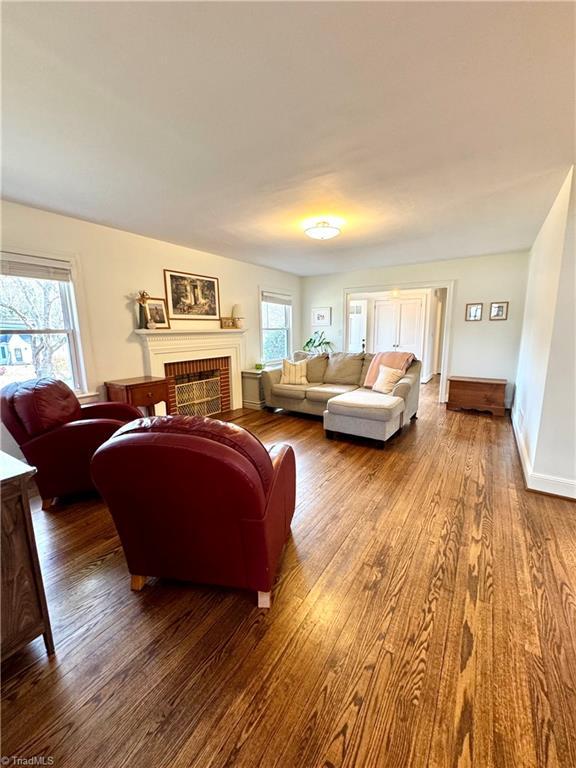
31 408
184 493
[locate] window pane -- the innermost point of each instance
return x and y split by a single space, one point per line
274 345
274 315
31 356
27 302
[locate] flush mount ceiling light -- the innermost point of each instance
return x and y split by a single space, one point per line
322 230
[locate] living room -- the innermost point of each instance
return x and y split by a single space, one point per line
291 286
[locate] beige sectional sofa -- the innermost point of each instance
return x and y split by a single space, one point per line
335 391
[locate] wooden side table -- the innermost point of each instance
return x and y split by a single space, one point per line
252 391
477 394
141 391
24 609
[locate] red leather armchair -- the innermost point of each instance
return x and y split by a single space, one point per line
57 435
199 500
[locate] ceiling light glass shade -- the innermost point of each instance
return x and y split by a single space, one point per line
322 230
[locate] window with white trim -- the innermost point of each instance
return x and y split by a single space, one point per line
276 329
38 321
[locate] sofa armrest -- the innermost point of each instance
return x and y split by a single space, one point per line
408 388
402 388
269 378
119 411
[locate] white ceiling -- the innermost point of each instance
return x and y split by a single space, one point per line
435 130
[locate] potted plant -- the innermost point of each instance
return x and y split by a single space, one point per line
318 343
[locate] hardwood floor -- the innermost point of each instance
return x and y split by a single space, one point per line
424 616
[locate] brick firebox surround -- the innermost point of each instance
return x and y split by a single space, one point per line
220 364
177 345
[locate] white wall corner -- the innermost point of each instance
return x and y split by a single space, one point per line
535 481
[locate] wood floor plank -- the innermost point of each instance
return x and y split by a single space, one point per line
424 617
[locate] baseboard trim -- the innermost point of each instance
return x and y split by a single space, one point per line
535 481
253 405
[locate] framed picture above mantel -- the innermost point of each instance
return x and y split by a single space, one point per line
192 297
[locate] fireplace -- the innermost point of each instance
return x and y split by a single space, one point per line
182 352
198 387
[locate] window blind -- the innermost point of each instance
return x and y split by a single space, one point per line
20 265
277 298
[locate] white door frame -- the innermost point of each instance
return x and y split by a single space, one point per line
415 285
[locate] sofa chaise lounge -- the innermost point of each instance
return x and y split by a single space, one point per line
336 391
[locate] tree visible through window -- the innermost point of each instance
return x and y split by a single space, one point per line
276 326
37 330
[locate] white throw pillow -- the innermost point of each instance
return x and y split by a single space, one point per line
294 373
387 379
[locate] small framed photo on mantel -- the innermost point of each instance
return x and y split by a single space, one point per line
156 313
322 316
499 310
474 312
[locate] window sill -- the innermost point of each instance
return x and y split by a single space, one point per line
87 396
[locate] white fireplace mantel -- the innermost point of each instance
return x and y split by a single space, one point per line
177 345
151 332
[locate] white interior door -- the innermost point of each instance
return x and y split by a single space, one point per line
386 317
410 327
357 323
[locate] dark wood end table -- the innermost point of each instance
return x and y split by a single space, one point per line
141 391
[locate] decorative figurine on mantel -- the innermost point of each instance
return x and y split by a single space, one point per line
142 300
236 319
238 316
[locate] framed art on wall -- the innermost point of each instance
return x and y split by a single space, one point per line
499 310
156 312
474 312
322 316
192 297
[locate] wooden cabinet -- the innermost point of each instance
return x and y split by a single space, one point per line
477 394
142 391
24 609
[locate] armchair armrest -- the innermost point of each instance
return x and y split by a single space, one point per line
283 489
73 436
63 455
264 537
118 411
269 378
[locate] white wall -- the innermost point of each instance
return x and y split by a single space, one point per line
485 348
114 264
544 412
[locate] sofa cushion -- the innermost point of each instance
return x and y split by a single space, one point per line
365 404
401 360
44 404
321 393
315 365
293 391
368 357
344 368
293 373
387 379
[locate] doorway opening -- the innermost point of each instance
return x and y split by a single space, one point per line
405 319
